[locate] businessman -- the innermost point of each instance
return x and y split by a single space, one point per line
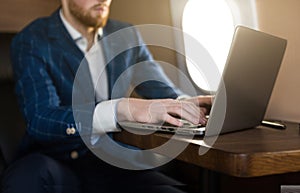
46 56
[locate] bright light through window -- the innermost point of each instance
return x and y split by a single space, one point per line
211 23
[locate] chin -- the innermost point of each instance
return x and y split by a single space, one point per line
102 22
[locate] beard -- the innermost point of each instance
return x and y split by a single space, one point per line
85 17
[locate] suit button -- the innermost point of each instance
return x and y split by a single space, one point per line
74 155
72 131
68 131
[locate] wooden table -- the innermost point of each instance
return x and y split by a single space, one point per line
250 153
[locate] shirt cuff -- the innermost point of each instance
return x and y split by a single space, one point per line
104 119
182 97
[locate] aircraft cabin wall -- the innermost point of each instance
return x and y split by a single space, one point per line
281 18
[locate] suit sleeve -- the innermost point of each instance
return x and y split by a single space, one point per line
48 119
150 80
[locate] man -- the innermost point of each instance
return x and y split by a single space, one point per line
46 56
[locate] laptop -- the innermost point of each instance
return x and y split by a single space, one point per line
242 97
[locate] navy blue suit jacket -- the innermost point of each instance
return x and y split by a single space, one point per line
45 62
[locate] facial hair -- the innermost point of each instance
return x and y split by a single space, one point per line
85 17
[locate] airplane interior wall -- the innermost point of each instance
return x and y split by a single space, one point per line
16 14
139 12
282 18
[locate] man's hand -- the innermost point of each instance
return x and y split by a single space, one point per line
163 110
203 101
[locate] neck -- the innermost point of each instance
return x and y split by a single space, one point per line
86 31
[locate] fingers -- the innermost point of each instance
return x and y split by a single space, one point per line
162 110
172 120
186 110
202 100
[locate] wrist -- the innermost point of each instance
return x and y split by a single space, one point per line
122 109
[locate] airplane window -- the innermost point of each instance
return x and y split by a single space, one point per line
212 23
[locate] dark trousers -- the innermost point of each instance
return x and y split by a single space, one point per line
38 173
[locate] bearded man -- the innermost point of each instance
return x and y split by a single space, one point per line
46 56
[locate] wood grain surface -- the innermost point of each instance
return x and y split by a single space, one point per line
249 153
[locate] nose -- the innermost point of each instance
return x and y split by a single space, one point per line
104 1
107 2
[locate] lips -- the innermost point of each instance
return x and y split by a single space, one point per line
101 7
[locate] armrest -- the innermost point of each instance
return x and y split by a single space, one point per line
2 163
12 126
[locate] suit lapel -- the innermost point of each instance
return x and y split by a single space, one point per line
61 39
110 56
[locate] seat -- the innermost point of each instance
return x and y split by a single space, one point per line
12 125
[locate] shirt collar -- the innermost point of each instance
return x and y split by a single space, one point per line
75 34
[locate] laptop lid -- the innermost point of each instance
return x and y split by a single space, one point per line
248 79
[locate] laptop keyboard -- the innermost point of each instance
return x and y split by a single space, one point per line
186 124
